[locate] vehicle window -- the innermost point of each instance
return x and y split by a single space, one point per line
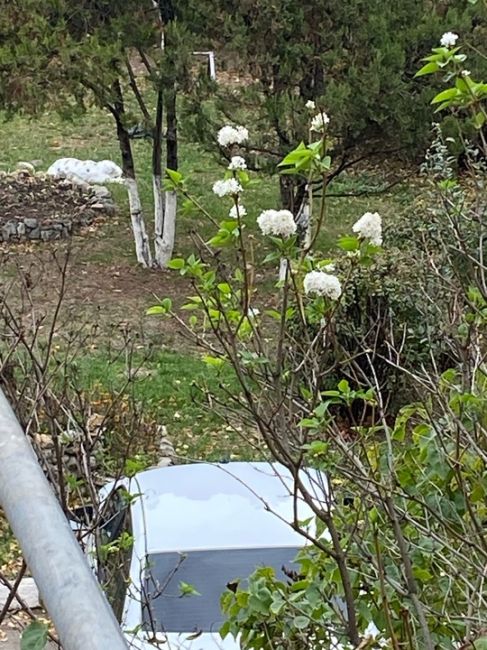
208 572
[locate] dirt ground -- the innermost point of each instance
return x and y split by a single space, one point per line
101 281
103 286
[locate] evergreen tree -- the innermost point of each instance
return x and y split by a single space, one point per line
64 53
355 58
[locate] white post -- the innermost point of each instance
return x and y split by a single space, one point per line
211 63
67 585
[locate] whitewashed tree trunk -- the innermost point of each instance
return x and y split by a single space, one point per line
159 214
165 245
142 247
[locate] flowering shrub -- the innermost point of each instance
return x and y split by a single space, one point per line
397 545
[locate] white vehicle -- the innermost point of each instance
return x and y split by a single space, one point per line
204 525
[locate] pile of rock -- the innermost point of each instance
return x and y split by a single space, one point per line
37 206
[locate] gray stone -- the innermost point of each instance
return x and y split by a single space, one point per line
47 234
21 229
34 234
101 192
87 217
109 208
9 230
27 591
30 222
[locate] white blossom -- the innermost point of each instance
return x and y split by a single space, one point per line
277 222
449 39
369 226
466 73
319 122
310 105
322 284
229 135
253 312
226 187
237 162
233 211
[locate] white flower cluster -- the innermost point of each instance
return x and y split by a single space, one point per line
229 135
466 73
369 226
319 122
449 39
236 163
310 105
277 222
322 284
230 186
233 211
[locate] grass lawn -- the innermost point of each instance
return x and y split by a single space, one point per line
106 286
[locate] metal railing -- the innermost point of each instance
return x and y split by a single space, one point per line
73 598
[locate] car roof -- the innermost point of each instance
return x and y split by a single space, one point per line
216 506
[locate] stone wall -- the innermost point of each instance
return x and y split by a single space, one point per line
97 200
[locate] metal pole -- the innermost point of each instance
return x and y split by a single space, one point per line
68 588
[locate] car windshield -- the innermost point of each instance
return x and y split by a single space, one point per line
209 573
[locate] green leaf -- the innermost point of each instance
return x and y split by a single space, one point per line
224 288
34 637
163 308
273 313
326 163
301 622
176 177
422 574
479 120
294 155
213 361
445 95
177 263
185 589
429 68
166 304
155 310
225 629
349 243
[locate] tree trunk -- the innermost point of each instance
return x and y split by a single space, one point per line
172 129
167 244
168 207
142 247
159 216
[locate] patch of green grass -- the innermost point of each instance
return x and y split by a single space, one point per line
170 389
